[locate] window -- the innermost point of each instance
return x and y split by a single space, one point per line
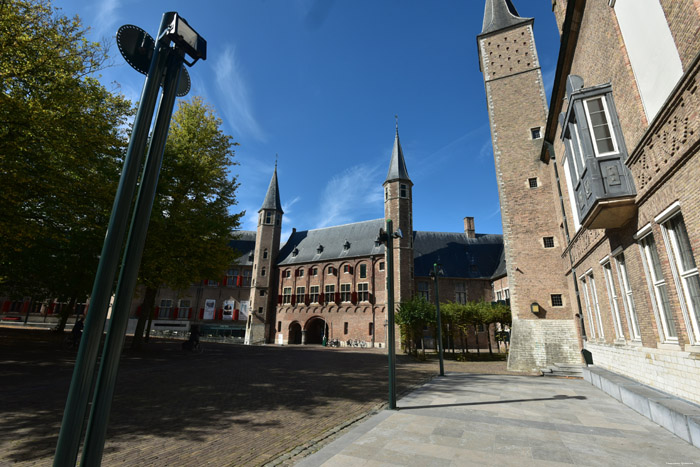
599 122
424 290
345 292
268 217
287 295
536 133
381 265
499 295
212 283
166 307
404 191
595 305
684 268
371 329
589 313
657 286
386 193
345 328
287 273
548 242
232 277
301 291
363 292
331 271
262 292
279 326
260 310
506 294
532 182
247 276
612 296
183 309
461 292
556 299
347 269
265 253
628 301
330 293
313 290
263 271
300 272
314 271
363 271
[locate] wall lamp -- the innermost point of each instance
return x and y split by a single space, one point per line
535 307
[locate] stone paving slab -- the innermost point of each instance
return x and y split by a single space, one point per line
464 419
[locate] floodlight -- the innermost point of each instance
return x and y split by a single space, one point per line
182 34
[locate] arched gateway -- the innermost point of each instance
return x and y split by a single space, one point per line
316 329
294 333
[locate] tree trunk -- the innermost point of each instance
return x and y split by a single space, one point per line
476 336
422 345
488 336
65 314
149 299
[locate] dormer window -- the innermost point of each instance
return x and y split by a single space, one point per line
346 245
319 250
295 251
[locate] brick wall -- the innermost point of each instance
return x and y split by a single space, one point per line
536 344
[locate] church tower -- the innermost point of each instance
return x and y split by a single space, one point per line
398 206
260 325
543 331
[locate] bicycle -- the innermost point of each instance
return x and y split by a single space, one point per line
192 346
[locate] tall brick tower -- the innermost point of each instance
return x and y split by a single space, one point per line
543 331
260 325
398 206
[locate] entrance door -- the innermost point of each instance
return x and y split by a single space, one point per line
315 330
294 333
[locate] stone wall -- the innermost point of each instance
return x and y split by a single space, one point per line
536 344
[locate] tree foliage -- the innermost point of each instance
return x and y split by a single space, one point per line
62 139
413 316
191 222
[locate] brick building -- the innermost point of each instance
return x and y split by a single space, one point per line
599 192
332 281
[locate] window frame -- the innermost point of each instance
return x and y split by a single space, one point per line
608 122
329 293
612 298
589 311
300 292
403 190
628 299
346 292
460 292
363 291
314 293
662 310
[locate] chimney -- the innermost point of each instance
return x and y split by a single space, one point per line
469 227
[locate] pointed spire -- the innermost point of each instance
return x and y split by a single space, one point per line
272 198
397 166
499 14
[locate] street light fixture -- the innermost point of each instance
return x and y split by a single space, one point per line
438 271
182 34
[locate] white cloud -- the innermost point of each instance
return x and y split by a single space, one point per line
234 97
351 196
106 18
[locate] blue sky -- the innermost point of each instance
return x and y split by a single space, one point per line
319 82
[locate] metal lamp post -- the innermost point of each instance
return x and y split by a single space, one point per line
435 273
161 61
387 238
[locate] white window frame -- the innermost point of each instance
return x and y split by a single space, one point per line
363 292
168 308
346 292
606 111
301 291
286 295
186 313
587 300
612 298
329 293
461 293
313 293
662 313
680 276
628 299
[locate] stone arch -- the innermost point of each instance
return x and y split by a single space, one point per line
315 329
294 333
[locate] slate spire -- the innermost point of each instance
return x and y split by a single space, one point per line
397 166
272 198
499 14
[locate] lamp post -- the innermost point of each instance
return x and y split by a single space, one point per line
435 273
161 61
387 238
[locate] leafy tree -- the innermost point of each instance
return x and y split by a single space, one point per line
191 223
413 315
62 138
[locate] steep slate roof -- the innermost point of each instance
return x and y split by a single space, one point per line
397 166
245 245
460 256
501 270
272 198
499 14
360 236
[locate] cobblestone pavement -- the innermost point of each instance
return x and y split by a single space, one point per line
230 405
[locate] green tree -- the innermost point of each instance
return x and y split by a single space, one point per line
191 222
413 315
62 139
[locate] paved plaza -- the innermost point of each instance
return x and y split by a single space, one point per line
463 420
237 405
